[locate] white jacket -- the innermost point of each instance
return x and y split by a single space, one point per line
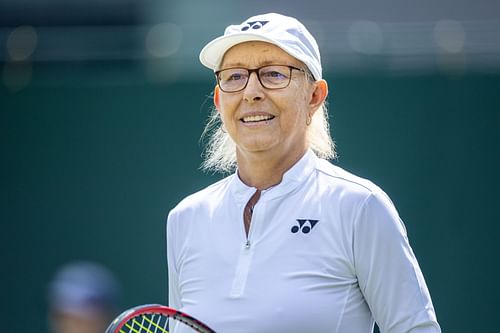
326 252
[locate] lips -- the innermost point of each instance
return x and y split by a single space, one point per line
256 118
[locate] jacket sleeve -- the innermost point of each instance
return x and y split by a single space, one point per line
388 273
174 300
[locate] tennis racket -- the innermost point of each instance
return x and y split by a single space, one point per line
153 318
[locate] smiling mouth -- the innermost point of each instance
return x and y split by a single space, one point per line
256 119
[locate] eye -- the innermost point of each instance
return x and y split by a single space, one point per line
273 74
233 75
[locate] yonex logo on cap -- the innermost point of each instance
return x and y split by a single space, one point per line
254 25
304 226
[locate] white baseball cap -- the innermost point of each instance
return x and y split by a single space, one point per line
283 31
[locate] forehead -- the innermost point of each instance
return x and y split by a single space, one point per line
255 54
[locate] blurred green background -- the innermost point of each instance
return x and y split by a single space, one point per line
95 152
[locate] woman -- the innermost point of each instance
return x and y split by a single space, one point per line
289 242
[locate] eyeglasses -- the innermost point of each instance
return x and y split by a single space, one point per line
270 77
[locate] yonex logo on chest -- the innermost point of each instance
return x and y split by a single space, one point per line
304 225
254 25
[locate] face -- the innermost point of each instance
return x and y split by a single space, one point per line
67 323
260 120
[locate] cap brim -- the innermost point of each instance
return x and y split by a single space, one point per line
211 55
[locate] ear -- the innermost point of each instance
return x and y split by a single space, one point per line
318 95
216 97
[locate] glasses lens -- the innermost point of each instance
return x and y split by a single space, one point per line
233 79
275 77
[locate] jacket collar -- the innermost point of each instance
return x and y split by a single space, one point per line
292 178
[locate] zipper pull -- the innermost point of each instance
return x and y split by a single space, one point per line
247 244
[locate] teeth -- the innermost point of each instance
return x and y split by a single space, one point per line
256 118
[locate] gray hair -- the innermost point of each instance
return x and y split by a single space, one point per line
220 151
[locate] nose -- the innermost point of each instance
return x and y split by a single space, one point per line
253 91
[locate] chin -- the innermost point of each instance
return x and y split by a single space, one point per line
256 147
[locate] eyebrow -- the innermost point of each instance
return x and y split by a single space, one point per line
242 65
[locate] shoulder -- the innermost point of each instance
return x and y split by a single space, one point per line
338 178
350 190
203 199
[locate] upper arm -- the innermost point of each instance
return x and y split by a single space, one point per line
387 270
173 286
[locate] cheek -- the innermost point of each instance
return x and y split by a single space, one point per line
298 95
295 110
228 102
225 108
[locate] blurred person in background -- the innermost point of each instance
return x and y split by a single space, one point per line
83 298
288 242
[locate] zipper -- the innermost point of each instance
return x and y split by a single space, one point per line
244 261
242 270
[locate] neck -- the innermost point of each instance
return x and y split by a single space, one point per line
262 170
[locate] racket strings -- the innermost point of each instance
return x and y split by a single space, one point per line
146 323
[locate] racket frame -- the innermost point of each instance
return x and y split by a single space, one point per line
184 318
